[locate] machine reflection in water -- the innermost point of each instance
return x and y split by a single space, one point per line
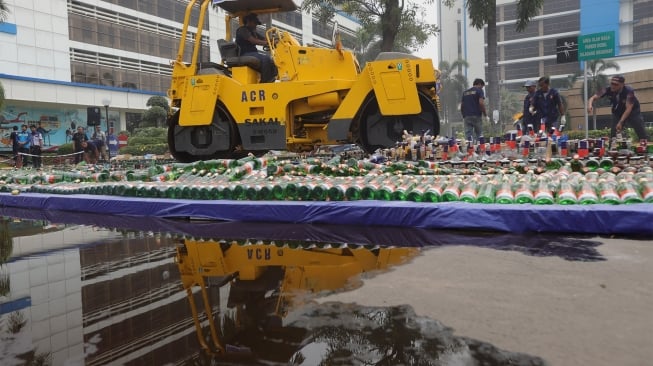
265 281
269 317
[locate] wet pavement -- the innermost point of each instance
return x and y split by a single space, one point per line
84 289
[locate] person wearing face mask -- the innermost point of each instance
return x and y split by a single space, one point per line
625 107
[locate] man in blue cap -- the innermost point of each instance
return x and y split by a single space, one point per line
625 107
529 113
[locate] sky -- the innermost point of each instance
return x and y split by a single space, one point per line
430 50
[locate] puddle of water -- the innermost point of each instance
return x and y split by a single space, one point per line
99 290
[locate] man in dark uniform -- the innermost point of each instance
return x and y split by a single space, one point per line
472 107
529 113
625 107
547 100
247 38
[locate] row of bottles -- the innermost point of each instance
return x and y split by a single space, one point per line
562 186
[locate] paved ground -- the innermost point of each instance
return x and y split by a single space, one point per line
567 312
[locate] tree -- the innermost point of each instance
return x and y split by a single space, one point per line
398 21
453 84
482 13
158 101
4 11
596 81
157 114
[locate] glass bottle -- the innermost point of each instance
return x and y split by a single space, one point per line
451 191
337 192
646 190
586 193
566 193
608 192
353 192
505 194
543 193
523 192
487 191
628 192
469 191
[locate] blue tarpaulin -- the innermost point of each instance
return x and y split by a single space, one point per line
635 219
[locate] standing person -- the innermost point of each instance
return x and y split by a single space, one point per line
548 102
43 132
36 144
14 143
101 142
78 138
472 107
247 38
625 107
528 112
23 138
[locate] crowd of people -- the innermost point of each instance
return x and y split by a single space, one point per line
544 109
27 146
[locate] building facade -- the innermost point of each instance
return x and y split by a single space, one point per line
61 57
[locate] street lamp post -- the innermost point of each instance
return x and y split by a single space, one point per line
106 102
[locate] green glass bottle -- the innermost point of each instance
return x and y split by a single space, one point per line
592 164
487 192
353 192
238 192
304 191
320 192
384 193
586 194
575 163
278 192
451 191
416 194
400 192
469 191
337 192
606 163
433 194
226 192
505 194
291 190
523 192
543 194
646 189
252 191
369 191
628 192
608 192
566 194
